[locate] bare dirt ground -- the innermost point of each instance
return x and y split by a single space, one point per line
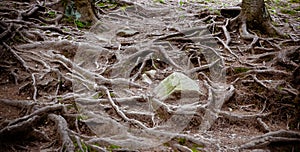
70 86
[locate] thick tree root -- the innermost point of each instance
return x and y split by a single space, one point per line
62 128
26 123
73 94
281 136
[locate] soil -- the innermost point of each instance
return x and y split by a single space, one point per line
70 86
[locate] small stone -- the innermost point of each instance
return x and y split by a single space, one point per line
146 79
151 73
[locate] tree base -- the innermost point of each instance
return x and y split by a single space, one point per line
266 27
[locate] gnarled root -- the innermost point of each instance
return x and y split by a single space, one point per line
281 136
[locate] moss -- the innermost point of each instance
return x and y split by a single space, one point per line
215 11
275 24
51 14
195 148
160 1
82 117
210 1
81 24
98 95
181 3
101 4
111 5
167 144
123 8
83 146
18 38
112 147
112 94
181 141
289 11
68 19
280 88
240 70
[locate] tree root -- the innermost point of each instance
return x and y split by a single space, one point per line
237 117
281 136
220 93
23 63
182 148
62 128
240 20
18 103
19 128
263 125
26 123
53 64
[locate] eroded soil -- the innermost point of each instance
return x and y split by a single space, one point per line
90 89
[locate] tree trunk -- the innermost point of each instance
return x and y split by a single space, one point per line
84 7
255 16
255 13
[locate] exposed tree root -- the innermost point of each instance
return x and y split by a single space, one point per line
26 123
18 128
62 128
281 136
242 21
263 125
104 91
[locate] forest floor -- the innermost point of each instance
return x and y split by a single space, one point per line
67 85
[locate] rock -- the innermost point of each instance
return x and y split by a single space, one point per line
176 82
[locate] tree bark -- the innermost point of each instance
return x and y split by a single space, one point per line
84 7
255 13
255 16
